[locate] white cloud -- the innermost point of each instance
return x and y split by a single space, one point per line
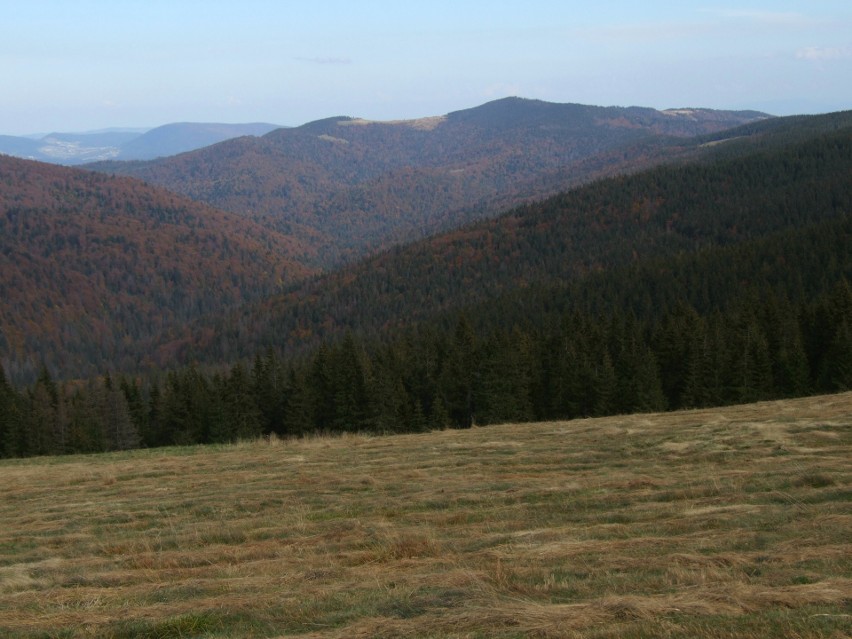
824 53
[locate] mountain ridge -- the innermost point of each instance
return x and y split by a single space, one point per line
359 186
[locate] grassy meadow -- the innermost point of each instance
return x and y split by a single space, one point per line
729 522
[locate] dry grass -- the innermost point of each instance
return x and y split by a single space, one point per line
423 124
713 523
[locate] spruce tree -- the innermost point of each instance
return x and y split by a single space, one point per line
299 405
7 415
136 405
790 362
391 407
153 434
837 364
242 416
87 429
561 380
458 375
604 386
439 417
267 387
121 432
751 366
185 407
678 331
698 375
834 370
321 389
220 427
349 386
42 416
504 387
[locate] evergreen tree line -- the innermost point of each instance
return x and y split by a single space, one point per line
452 375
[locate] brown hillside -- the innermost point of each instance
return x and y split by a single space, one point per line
89 263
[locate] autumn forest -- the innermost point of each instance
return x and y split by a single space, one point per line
390 280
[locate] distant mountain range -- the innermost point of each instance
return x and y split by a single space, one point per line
348 186
170 139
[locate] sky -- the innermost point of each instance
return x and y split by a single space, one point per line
81 65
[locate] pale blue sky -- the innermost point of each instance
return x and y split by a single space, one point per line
73 65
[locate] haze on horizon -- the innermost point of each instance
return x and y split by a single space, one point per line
94 64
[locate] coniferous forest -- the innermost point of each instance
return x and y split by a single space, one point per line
718 282
468 368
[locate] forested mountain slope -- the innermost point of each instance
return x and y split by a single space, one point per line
718 282
765 317
665 212
350 186
91 266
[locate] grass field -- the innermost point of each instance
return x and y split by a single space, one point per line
731 522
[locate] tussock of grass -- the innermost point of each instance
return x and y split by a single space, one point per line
712 523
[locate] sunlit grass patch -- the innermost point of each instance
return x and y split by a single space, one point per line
669 525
